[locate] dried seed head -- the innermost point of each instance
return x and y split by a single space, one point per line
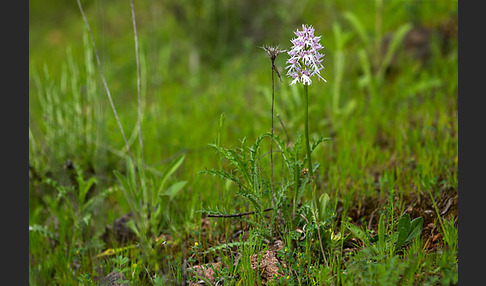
273 52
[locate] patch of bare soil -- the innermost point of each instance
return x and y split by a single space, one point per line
366 212
114 279
265 263
119 230
267 266
205 272
422 205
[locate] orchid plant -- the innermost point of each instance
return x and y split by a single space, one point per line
305 62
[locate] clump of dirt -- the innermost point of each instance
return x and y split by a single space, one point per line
265 263
114 279
267 266
119 230
205 272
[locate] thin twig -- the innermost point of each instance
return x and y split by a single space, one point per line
148 273
371 218
276 70
237 215
139 85
306 220
271 139
272 53
104 82
285 130
184 264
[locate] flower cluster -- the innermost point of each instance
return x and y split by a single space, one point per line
305 60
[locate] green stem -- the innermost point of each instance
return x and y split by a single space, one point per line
306 98
296 191
311 173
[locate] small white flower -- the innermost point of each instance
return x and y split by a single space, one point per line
306 79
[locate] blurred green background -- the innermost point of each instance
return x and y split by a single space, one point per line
205 55
202 58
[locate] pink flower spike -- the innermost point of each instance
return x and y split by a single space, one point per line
305 60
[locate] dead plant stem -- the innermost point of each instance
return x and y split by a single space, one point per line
139 85
112 104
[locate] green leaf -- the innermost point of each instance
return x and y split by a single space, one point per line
253 200
97 197
323 202
402 236
381 233
287 156
404 222
316 143
225 175
350 106
84 188
131 176
173 190
226 245
41 229
132 226
174 165
124 182
237 160
128 192
415 229
403 228
359 233
221 123
392 48
357 25
365 79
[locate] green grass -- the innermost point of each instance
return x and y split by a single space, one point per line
393 133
